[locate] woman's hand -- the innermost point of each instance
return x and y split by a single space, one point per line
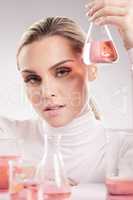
72 182
116 12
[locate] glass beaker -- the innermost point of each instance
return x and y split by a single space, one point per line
23 185
10 149
51 173
99 46
119 178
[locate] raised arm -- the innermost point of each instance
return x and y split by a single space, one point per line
118 13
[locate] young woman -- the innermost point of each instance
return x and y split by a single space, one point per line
56 81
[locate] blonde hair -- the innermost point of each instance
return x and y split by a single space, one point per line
51 26
61 26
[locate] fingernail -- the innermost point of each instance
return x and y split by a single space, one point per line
98 21
87 13
91 18
90 11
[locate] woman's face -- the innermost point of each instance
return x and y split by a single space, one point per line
55 79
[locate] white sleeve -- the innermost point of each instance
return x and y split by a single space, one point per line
120 152
28 132
130 54
7 127
17 128
126 156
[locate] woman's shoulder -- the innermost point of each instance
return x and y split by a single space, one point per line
120 132
112 132
17 127
122 137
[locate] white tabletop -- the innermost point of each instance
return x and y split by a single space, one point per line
80 192
89 192
4 196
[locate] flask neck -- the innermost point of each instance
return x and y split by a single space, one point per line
98 32
52 143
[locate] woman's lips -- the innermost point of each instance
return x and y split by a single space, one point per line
53 111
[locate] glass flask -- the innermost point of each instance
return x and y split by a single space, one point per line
9 150
50 172
99 46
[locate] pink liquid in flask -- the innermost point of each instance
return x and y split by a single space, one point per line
119 189
102 52
55 193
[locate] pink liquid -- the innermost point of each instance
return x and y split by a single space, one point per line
102 52
26 191
4 172
32 191
120 197
119 186
119 189
54 193
57 196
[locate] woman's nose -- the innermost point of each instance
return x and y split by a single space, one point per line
48 90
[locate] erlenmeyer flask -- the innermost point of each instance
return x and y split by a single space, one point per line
51 173
99 46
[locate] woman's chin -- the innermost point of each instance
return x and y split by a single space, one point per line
59 122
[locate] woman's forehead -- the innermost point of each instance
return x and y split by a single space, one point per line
48 51
52 44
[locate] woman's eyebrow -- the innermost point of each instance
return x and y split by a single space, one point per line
53 66
28 71
61 63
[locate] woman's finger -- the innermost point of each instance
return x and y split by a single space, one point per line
96 5
108 11
72 182
118 21
89 5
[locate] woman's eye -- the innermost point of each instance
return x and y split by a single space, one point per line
62 71
32 80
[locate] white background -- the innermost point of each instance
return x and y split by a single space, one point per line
112 89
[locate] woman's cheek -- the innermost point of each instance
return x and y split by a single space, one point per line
75 89
34 96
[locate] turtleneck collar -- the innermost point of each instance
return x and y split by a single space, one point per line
81 124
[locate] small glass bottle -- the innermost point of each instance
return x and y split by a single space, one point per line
99 46
51 173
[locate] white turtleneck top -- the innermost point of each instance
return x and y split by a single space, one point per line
83 145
